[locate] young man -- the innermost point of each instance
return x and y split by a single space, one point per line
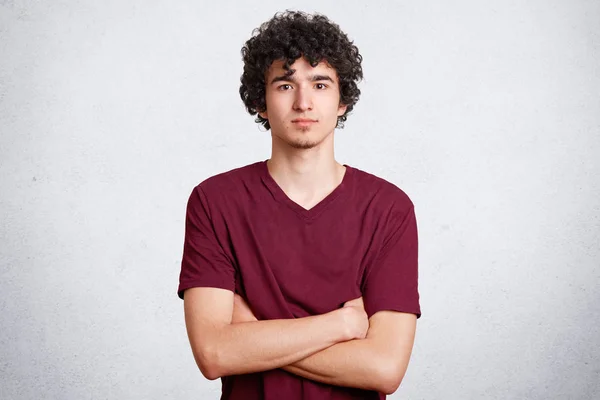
299 273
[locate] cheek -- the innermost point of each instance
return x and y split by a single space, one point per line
272 102
333 103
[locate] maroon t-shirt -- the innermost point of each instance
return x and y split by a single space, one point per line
244 234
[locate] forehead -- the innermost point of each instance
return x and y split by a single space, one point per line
300 67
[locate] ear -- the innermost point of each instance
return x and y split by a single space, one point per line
342 109
264 114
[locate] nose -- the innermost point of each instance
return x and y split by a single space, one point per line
303 100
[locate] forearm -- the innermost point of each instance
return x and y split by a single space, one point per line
377 362
249 347
354 363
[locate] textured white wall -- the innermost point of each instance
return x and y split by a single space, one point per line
486 113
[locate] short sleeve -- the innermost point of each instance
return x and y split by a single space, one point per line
391 281
204 262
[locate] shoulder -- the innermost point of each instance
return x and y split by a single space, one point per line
229 182
381 192
225 190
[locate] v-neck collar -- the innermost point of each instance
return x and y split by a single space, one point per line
283 198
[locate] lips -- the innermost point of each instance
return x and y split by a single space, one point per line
303 123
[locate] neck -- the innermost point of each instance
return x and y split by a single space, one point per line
305 174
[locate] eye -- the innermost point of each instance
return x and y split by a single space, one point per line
284 87
321 86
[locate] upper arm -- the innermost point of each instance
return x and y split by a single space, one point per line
393 333
205 261
391 280
206 281
207 310
391 296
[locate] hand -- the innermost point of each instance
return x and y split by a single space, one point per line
356 320
241 311
355 303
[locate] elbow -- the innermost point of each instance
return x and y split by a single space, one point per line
209 372
207 361
388 388
390 377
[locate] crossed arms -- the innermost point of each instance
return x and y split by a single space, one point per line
341 348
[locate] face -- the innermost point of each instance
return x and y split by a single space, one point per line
303 106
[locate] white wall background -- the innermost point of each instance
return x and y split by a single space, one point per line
486 113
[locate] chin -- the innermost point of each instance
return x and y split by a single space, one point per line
299 141
304 138
303 145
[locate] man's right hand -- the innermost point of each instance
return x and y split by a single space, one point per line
355 319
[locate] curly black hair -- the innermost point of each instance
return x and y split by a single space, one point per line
289 36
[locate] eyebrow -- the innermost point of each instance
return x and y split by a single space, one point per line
290 78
